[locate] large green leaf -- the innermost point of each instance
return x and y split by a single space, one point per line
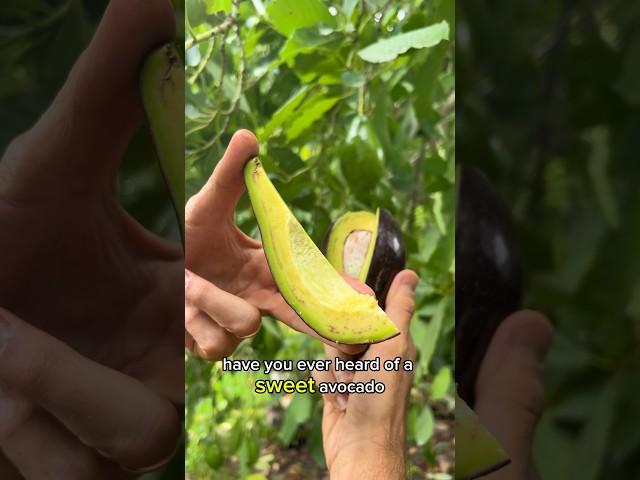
309 113
283 113
424 426
298 411
389 48
290 15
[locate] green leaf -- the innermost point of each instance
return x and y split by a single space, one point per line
310 39
441 383
426 335
348 6
196 12
424 427
352 79
283 113
310 113
389 48
592 444
360 167
289 15
298 411
598 165
219 6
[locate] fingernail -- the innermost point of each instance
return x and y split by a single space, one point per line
526 342
411 283
341 400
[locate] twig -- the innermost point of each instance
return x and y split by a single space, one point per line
216 111
235 101
205 60
227 22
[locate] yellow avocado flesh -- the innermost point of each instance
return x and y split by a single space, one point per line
477 451
352 242
306 279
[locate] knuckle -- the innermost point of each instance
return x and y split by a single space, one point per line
210 351
251 323
163 434
190 316
409 305
194 292
190 209
35 375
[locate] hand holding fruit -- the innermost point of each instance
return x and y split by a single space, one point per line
87 286
372 427
228 284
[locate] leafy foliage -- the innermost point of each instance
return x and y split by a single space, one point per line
550 110
352 102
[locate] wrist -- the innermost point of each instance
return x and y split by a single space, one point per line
371 460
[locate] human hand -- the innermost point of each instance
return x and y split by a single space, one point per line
372 427
75 265
228 284
69 415
510 389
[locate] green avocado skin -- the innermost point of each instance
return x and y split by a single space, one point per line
388 258
161 82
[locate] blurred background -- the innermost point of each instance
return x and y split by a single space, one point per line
550 110
40 40
340 129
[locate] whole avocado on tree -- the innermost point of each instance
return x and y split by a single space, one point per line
488 271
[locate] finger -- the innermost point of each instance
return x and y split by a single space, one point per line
8 470
510 389
357 285
344 376
101 93
400 299
229 311
134 426
336 400
219 196
42 446
14 410
281 310
211 341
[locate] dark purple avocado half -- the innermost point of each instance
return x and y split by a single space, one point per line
488 273
389 257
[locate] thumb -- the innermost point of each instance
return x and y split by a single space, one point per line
218 197
400 299
98 108
510 389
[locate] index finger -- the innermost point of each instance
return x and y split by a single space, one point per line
109 411
219 196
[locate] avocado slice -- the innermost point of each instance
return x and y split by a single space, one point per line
488 273
477 451
306 279
368 247
162 92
